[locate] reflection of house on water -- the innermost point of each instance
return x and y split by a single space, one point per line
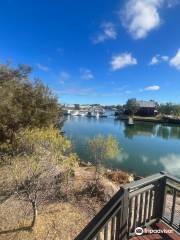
152 129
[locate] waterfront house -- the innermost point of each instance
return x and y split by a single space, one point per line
146 108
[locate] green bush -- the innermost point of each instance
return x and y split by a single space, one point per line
24 103
43 142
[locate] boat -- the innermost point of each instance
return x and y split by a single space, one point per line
75 113
82 114
67 112
97 115
90 114
102 114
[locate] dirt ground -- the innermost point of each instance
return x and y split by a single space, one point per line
57 220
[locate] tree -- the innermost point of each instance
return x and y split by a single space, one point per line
24 102
169 109
29 185
41 156
102 148
132 106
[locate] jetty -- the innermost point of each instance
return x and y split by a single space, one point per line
130 121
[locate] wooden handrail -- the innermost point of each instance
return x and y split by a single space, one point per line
139 203
100 219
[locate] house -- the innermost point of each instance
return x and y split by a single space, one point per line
146 108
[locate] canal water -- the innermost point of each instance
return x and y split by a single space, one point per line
145 148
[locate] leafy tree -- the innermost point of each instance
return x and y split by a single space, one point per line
24 102
132 106
169 109
102 148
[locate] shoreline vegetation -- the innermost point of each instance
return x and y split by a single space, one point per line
45 192
156 119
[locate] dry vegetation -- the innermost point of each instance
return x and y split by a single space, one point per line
60 216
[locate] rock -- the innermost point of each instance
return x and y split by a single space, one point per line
120 177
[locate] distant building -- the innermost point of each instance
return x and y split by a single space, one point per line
76 106
147 108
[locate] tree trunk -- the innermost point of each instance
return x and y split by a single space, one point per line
34 207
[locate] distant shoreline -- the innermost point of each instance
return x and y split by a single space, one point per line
151 119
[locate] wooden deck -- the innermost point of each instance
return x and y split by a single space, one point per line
159 236
139 204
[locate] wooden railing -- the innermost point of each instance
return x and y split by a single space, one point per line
137 204
171 211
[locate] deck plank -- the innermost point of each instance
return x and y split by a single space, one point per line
161 236
171 236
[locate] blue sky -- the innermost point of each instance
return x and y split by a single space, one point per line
96 51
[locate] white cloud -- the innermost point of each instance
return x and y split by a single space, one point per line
60 51
175 61
158 59
152 88
155 60
165 58
171 163
108 31
63 77
42 67
128 91
141 16
86 74
122 60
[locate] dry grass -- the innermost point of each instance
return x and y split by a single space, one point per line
61 221
57 219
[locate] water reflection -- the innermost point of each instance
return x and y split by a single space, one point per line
171 163
146 148
151 129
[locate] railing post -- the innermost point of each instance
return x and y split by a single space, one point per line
123 230
160 201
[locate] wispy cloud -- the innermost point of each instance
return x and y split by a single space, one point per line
158 59
107 31
128 91
152 88
60 51
77 91
140 17
175 61
172 3
42 67
86 74
63 77
122 60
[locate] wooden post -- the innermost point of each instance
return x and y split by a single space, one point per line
160 198
123 233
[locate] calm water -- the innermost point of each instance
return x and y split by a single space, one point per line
146 148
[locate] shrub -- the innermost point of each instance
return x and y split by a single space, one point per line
24 102
102 148
45 142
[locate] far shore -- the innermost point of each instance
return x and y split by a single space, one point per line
157 119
